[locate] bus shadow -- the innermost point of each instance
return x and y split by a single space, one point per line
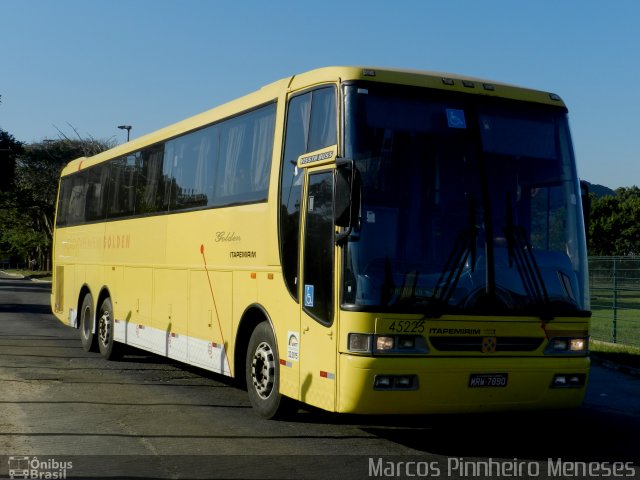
25 308
585 434
133 355
580 435
573 435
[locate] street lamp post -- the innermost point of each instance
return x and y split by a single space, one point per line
127 128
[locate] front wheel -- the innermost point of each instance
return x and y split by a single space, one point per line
109 349
263 374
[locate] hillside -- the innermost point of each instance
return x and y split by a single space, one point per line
600 190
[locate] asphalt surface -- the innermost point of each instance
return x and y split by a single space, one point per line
69 413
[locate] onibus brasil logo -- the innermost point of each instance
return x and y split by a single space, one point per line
33 467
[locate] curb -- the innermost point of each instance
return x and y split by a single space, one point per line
13 275
615 366
18 276
37 280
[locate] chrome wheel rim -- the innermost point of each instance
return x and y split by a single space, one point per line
104 328
263 369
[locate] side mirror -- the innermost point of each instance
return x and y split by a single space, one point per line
346 207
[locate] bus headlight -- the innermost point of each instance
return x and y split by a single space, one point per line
360 342
567 345
400 344
384 343
578 344
387 344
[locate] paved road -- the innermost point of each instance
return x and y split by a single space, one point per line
69 412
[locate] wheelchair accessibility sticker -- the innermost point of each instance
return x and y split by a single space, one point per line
308 295
455 118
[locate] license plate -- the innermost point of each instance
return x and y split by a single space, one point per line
479 380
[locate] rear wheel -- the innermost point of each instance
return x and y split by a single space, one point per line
109 349
87 318
263 374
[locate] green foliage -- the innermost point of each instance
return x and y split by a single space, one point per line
20 235
10 148
27 208
614 228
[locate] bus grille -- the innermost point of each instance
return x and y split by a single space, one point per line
474 344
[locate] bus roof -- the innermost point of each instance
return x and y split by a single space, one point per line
428 79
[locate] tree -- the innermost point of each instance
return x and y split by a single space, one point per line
27 211
10 148
614 228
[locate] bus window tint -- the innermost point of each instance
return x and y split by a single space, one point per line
291 188
318 251
122 187
77 193
63 202
246 144
150 184
322 131
189 162
227 163
311 125
96 192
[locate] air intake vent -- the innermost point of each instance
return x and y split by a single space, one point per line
474 344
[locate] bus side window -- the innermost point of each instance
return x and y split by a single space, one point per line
150 184
63 202
97 192
311 125
122 184
77 198
246 148
318 248
191 160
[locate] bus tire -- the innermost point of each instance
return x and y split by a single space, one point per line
87 317
263 374
109 348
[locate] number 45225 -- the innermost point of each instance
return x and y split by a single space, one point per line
407 326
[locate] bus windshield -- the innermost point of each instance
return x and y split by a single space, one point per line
468 205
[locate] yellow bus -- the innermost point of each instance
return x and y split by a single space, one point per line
362 240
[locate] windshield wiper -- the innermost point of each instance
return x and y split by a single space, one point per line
521 253
463 248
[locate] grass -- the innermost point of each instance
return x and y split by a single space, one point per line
614 352
627 314
627 326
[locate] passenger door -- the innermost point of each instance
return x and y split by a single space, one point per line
318 329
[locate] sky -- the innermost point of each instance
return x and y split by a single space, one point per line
87 66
